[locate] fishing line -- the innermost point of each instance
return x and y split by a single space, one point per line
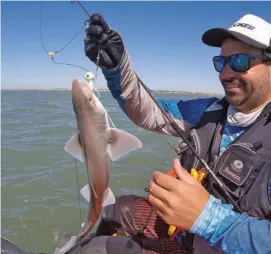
110 120
96 90
41 13
170 145
78 191
79 203
53 53
74 65
96 73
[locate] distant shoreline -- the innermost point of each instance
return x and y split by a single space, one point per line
106 90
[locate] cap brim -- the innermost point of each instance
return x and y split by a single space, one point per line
215 36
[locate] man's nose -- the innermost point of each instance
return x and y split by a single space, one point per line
227 73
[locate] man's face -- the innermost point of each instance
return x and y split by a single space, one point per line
248 90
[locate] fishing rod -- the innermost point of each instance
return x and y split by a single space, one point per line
177 129
81 6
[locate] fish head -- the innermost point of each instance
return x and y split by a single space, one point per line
83 97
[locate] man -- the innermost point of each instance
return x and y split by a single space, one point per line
231 134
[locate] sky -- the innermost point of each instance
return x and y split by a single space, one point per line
163 40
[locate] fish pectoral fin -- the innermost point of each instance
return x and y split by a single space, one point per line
73 147
108 198
122 143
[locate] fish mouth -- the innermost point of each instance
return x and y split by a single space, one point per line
81 91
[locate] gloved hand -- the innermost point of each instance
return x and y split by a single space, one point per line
100 36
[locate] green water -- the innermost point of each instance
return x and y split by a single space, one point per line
40 202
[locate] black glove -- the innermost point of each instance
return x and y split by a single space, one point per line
100 37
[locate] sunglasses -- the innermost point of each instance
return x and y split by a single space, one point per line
238 62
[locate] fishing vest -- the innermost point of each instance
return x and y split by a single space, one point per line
244 167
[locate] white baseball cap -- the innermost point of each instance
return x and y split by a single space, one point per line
250 29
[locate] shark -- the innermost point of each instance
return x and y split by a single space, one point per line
96 143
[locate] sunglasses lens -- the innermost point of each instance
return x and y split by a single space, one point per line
219 63
239 63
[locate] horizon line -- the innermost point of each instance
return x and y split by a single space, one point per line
107 90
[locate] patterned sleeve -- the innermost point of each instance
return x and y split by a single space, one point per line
232 232
140 108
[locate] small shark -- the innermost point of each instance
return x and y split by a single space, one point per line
95 144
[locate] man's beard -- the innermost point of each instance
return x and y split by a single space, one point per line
236 91
244 96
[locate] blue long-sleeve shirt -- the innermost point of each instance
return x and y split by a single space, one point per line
232 232
218 224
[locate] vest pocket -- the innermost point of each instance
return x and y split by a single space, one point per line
238 167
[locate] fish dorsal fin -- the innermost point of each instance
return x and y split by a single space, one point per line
74 148
108 198
122 143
